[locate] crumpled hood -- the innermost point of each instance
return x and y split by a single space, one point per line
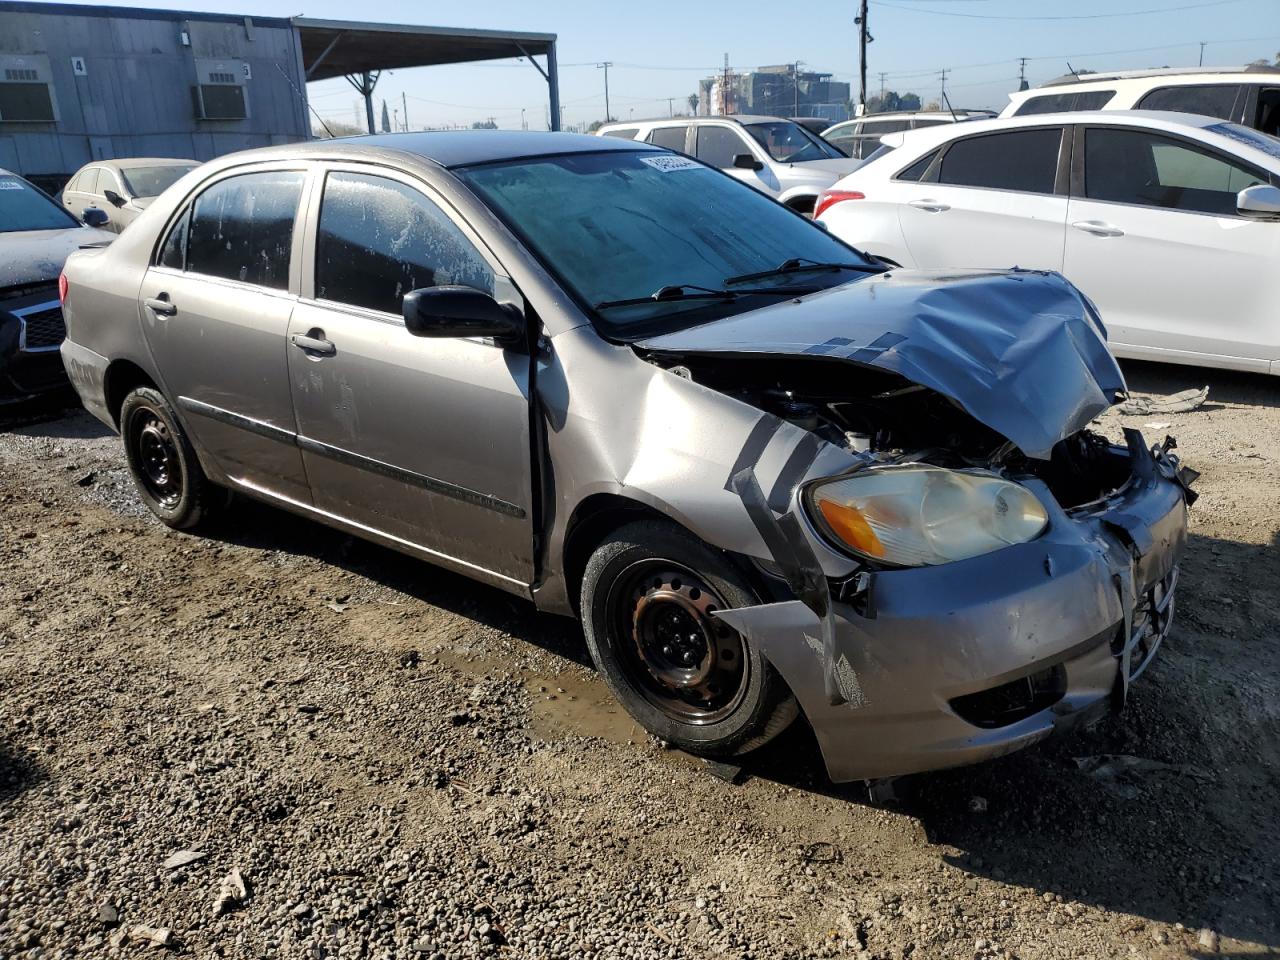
36 256
1020 351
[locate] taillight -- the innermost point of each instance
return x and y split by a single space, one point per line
829 198
62 287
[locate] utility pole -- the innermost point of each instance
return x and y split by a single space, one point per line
724 89
608 117
863 39
795 88
942 96
671 111
882 79
1022 72
1203 44
404 102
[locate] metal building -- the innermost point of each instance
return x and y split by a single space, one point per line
81 83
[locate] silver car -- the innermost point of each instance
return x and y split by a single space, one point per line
767 474
122 189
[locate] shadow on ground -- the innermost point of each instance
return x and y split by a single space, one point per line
19 772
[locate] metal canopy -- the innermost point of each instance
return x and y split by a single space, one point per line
343 48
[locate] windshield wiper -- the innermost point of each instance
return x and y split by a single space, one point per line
801 265
688 291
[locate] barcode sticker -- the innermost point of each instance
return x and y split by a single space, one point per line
669 162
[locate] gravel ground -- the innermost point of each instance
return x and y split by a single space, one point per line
396 762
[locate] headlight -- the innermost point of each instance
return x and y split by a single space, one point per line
918 515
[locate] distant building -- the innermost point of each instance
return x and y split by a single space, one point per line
81 83
779 91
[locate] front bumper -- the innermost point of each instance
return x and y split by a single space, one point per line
949 665
29 365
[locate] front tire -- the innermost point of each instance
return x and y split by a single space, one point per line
163 464
648 593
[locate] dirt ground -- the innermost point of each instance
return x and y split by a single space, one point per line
404 764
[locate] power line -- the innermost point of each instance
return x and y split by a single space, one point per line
1078 16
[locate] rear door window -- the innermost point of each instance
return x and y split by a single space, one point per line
379 238
88 182
718 146
1022 160
242 228
917 169
673 138
1143 169
1209 100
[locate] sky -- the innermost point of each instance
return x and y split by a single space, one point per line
661 48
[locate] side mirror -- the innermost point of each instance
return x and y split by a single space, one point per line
113 198
457 311
1261 200
95 217
745 161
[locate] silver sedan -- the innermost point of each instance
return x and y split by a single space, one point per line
768 474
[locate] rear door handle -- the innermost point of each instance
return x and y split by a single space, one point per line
929 206
161 306
317 345
1098 228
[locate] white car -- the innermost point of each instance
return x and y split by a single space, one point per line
1169 222
776 156
860 137
1246 95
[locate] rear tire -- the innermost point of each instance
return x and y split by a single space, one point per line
685 676
164 466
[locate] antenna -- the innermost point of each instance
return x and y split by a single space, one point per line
947 103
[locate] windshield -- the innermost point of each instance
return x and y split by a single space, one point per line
23 207
625 224
789 142
153 181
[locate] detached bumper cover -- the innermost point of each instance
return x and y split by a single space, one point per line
1073 617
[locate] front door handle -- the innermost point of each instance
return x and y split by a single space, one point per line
314 344
1098 228
161 306
929 206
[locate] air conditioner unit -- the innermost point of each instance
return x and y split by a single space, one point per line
219 92
26 91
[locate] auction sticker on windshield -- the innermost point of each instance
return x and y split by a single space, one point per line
9 183
668 163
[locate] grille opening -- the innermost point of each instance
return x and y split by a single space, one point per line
1012 701
45 329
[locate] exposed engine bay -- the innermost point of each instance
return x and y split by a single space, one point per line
872 411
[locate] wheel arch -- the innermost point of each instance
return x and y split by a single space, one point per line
121 378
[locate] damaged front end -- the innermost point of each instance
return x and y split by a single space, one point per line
909 661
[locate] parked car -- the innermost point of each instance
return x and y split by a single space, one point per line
122 188
1246 95
35 237
1170 223
776 156
860 137
767 474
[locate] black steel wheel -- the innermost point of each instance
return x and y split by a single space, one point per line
687 663
164 465
648 597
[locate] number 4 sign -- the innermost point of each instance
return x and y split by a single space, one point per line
78 67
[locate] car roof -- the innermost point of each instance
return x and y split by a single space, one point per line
129 163
677 121
1181 73
445 148
1165 120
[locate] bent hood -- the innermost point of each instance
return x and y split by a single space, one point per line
37 256
1021 351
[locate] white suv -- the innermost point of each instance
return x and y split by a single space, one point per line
860 137
1246 95
1169 222
776 156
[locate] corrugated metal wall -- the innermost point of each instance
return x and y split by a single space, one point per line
134 98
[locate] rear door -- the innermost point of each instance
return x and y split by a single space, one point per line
992 200
425 441
79 194
673 138
1155 241
215 308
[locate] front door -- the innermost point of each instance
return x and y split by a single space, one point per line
215 308
1155 241
425 441
994 201
718 145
